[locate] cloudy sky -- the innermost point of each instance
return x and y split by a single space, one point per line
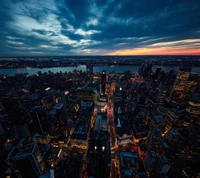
99 27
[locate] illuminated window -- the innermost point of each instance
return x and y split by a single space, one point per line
103 148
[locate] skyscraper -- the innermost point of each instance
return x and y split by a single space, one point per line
158 70
162 93
98 159
26 161
192 110
39 121
180 85
154 141
103 82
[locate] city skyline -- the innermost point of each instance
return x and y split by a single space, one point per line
99 27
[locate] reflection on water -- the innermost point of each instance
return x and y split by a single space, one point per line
32 71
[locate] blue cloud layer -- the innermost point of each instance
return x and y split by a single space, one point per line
84 27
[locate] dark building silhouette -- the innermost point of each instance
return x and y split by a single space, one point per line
69 166
158 70
39 122
13 110
99 159
103 82
26 161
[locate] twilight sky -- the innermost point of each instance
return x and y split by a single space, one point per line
99 27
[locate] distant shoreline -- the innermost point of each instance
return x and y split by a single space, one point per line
75 66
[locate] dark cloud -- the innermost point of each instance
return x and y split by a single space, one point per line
101 26
79 9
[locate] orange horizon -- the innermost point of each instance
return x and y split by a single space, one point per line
150 51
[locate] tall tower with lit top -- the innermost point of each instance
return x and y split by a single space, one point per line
103 82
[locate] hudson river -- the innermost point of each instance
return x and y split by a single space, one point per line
108 69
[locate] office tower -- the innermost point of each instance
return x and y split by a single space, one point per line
175 140
162 169
65 101
1 130
79 137
145 70
174 117
3 125
39 122
162 93
193 110
98 159
131 165
193 107
103 82
85 93
69 167
194 137
154 141
179 90
158 166
158 70
99 156
26 161
89 67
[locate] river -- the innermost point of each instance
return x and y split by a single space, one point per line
108 69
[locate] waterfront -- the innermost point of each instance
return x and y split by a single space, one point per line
109 69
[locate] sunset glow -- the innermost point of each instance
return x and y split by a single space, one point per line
98 27
157 51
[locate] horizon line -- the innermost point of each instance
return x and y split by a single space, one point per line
100 55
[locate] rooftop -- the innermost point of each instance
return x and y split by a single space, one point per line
18 152
58 106
101 124
40 137
131 165
87 104
81 128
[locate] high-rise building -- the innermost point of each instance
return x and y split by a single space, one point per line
70 166
2 120
162 93
79 137
145 70
103 82
39 121
99 159
26 161
158 166
193 107
89 67
154 141
6 126
174 117
192 110
194 137
158 70
179 90
1 130
175 140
